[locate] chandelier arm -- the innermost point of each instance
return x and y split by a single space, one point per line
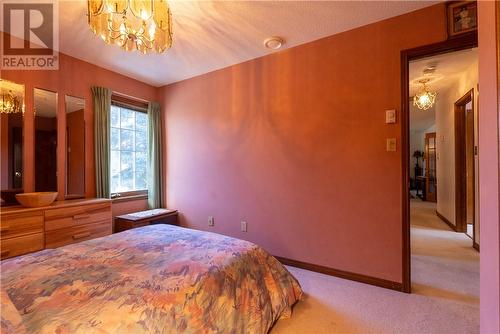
145 42
133 31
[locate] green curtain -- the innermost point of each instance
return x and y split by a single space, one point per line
102 105
155 156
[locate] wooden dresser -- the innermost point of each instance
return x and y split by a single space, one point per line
26 230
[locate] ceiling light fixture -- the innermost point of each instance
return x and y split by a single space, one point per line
274 43
10 103
143 25
424 99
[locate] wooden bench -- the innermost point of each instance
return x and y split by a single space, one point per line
143 218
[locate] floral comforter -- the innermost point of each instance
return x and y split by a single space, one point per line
154 279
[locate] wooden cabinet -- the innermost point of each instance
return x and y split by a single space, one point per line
26 230
21 233
68 225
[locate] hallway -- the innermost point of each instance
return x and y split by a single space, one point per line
444 264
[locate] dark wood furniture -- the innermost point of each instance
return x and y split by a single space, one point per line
420 186
144 218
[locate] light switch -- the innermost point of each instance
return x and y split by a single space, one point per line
390 116
391 144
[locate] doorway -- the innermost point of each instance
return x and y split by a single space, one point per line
464 42
465 153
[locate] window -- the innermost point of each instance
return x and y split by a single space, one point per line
129 150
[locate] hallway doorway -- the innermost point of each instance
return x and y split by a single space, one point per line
437 76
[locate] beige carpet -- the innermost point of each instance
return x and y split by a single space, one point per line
445 298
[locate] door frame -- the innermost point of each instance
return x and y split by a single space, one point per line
461 163
465 41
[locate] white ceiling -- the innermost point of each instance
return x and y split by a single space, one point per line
449 68
209 35
73 103
45 103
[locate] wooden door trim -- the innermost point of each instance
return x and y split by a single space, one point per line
461 161
466 41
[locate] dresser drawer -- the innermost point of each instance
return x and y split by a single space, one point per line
19 224
66 236
74 216
21 245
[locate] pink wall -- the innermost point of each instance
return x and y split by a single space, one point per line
489 168
294 143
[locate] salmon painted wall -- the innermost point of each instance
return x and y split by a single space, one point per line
489 34
294 143
74 77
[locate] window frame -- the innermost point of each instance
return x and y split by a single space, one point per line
138 106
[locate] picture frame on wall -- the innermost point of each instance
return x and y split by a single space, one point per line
461 17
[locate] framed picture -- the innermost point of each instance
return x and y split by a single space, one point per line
461 17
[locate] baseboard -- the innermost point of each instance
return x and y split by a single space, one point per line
475 245
444 219
383 283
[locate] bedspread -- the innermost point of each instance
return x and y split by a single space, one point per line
154 279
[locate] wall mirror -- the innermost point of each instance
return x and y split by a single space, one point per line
75 147
45 108
12 110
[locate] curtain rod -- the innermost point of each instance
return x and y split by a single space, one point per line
130 97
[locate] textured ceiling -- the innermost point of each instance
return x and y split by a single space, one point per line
73 103
45 103
449 68
210 35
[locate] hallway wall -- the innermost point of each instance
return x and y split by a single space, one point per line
445 137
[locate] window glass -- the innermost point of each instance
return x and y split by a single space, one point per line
129 150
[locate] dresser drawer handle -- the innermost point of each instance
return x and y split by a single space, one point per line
84 216
81 235
5 252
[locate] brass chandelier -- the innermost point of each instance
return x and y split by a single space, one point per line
10 103
143 25
424 99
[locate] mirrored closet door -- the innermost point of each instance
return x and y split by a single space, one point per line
75 147
45 108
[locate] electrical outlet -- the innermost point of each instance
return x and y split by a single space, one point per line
243 226
211 221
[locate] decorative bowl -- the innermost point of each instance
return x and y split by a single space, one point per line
37 199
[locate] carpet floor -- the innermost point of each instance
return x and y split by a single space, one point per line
444 298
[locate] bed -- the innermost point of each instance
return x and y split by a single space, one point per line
154 279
